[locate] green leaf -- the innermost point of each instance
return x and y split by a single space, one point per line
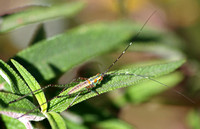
12 81
113 124
74 125
162 50
56 121
193 119
112 82
18 108
143 91
6 79
11 123
62 52
40 14
33 84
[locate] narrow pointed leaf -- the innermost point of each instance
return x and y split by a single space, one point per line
62 52
117 81
33 84
11 123
40 14
7 79
143 91
55 120
14 83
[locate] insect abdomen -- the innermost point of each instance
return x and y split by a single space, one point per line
79 87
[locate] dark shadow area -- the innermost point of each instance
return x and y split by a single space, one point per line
44 123
88 69
106 78
39 34
2 125
3 104
91 114
145 38
57 72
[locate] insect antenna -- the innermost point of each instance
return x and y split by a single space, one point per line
104 73
154 80
129 44
33 92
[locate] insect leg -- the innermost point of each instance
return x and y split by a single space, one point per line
50 85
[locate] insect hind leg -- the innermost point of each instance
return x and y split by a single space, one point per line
33 92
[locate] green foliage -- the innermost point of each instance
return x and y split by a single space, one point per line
55 120
193 119
51 62
112 82
113 123
13 83
143 91
19 107
48 59
73 125
11 123
40 14
32 84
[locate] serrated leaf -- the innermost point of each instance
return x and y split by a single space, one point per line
16 84
33 84
55 120
62 52
40 14
117 81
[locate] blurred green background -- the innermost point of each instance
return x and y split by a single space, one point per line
180 17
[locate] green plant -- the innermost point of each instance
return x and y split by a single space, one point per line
45 61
